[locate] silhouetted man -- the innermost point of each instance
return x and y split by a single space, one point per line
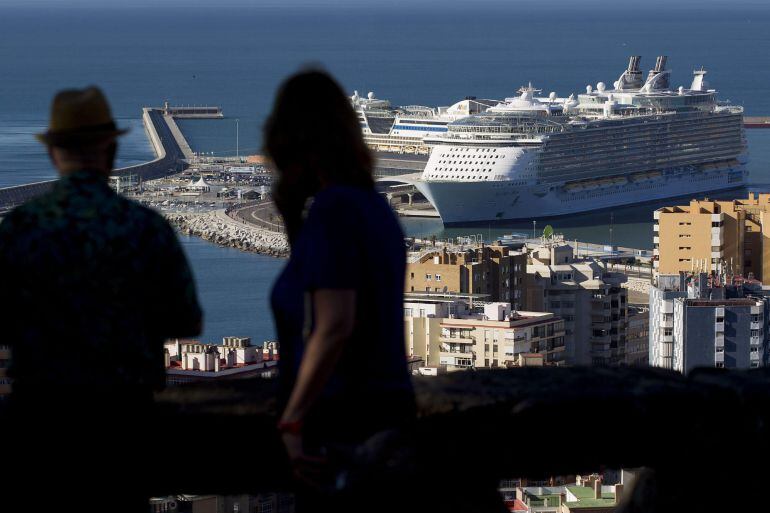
90 286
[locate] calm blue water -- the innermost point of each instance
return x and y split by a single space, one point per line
434 56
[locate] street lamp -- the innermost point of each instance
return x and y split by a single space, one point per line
534 228
237 149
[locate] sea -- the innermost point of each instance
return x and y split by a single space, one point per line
408 52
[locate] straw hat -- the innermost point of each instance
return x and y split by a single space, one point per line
80 116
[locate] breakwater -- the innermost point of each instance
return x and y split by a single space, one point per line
169 159
218 228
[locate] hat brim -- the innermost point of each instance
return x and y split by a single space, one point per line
79 137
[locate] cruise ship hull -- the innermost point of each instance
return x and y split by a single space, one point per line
468 202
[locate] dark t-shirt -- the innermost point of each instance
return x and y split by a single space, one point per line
90 286
350 240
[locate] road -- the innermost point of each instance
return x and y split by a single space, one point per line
262 214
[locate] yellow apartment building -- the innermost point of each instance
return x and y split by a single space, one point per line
494 270
714 236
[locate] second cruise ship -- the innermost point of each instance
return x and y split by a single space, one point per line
541 156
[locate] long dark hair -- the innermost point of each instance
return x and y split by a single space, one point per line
312 134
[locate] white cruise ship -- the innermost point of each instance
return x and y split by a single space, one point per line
403 129
533 156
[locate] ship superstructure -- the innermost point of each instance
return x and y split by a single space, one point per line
540 156
403 129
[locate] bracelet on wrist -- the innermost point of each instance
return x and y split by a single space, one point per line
290 427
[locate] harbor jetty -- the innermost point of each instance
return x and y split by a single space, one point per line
172 153
219 228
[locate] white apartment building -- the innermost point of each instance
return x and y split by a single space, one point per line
696 321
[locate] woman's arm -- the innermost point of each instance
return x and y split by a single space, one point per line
334 312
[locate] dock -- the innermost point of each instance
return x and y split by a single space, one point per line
192 111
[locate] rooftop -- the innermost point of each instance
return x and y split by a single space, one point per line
585 496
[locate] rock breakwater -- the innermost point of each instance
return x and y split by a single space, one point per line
219 229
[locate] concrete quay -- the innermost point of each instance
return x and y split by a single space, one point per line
217 227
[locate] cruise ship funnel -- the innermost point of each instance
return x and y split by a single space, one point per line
632 77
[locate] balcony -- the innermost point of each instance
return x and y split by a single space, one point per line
457 340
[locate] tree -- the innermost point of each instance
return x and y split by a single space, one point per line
548 231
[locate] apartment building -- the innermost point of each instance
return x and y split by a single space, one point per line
587 296
5 361
236 357
638 336
714 236
495 270
696 321
449 334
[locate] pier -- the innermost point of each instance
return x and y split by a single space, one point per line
193 111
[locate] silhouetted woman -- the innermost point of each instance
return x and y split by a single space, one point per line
338 304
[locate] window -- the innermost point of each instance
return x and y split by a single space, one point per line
438 277
494 348
428 277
